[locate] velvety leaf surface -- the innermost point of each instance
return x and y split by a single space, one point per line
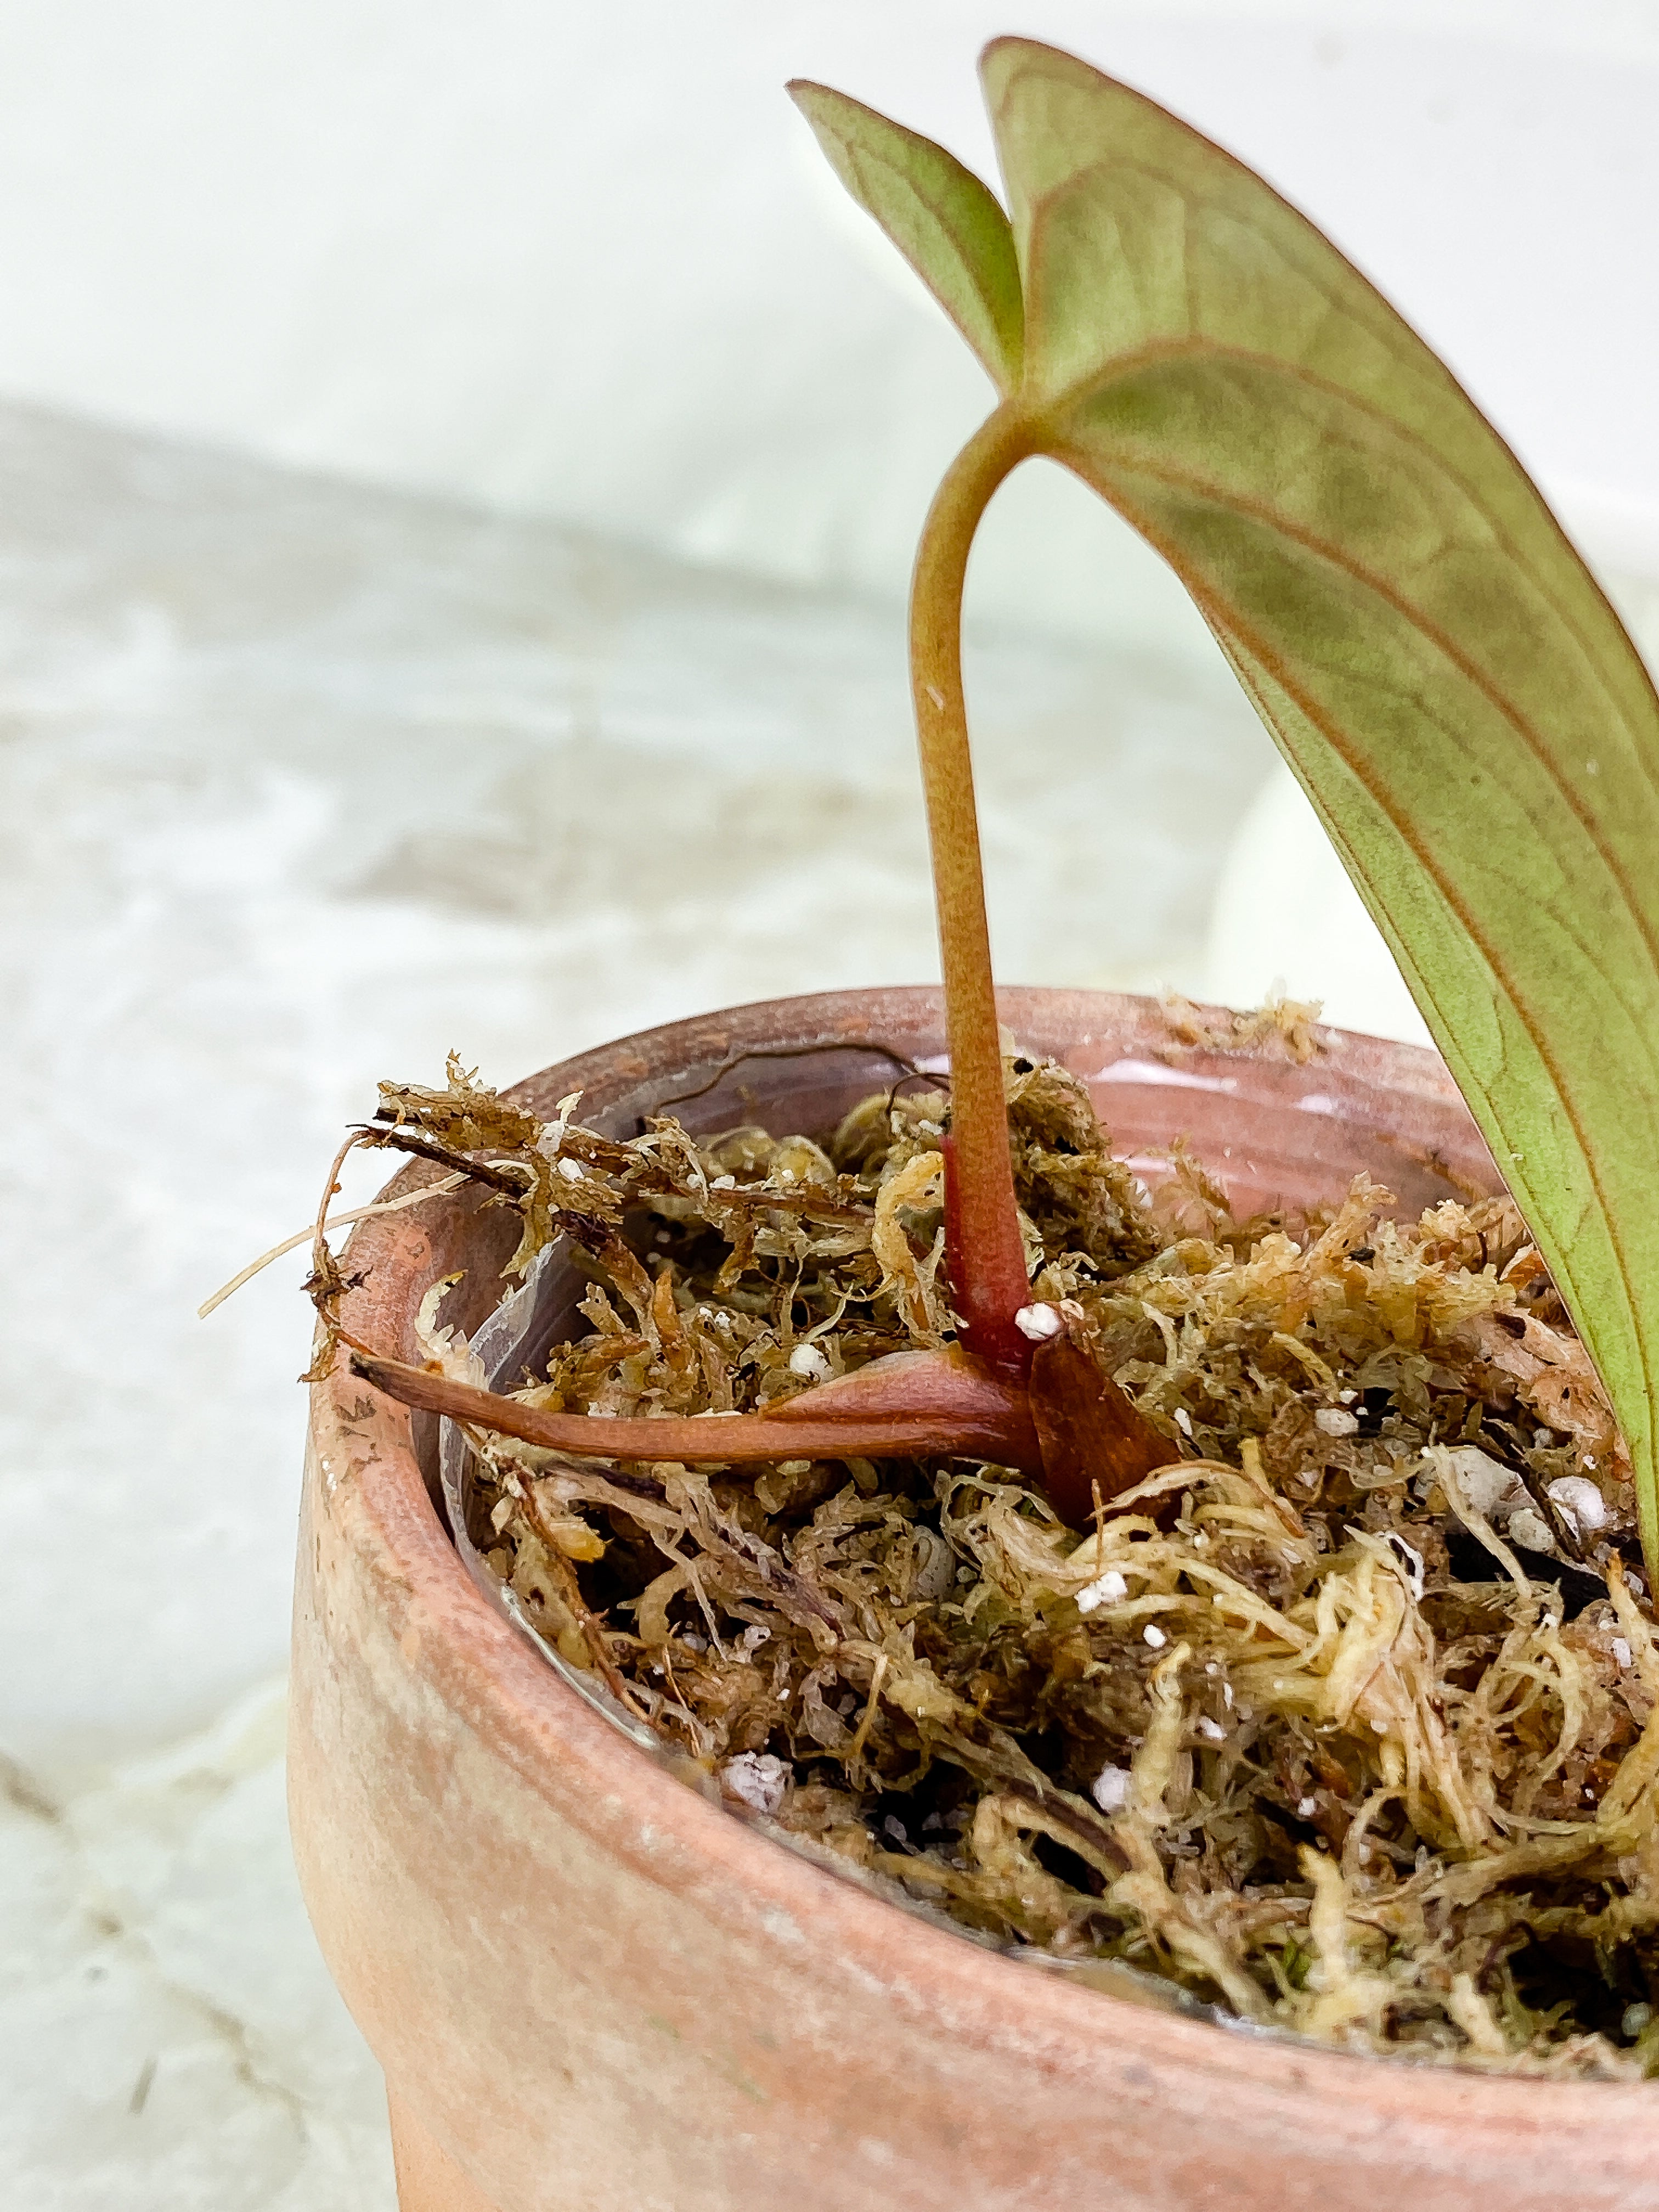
944 222
1462 707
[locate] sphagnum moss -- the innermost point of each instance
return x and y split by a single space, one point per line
1345 1722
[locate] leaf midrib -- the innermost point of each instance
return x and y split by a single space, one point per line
1487 687
1173 349
1610 1218
1190 348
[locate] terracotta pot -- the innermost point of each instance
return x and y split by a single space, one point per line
591 1988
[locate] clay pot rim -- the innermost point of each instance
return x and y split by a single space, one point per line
506 1693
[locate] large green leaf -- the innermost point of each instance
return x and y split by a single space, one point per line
1456 696
944 222
1458 700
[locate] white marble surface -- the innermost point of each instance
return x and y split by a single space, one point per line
168 2035
301 785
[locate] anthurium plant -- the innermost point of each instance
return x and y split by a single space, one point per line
1449 686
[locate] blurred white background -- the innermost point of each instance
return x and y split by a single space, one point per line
585 263
459 469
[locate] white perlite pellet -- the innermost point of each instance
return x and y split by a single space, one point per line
1583 1504
1530 1530
1105 1589
1038 1322
1111 1789
756 1778
1484 1484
